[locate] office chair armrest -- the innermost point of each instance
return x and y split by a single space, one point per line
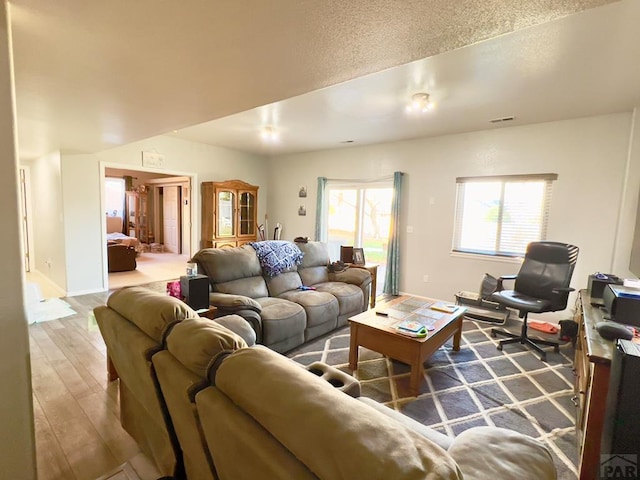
503 278
564 289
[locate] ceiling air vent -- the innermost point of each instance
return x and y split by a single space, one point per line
500 120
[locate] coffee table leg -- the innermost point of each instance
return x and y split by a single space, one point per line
353 348
416 379
458 335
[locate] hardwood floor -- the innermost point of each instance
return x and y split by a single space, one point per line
78 432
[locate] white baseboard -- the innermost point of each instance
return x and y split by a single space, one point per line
86 292
48 283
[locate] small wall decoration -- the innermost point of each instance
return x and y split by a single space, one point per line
302 193
302 210
358 256
152 159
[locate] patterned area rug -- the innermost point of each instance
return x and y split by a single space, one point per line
479 385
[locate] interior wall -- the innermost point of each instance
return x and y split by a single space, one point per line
48 227
629 218
83 223
17 442
82 203
588 154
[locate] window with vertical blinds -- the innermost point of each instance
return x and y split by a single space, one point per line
501 215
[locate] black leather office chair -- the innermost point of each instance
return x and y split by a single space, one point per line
541 285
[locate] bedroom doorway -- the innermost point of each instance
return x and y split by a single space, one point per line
161 218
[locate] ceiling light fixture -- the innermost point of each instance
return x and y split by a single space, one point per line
269 134
420 103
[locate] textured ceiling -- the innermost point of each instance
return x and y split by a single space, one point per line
92 75
581 65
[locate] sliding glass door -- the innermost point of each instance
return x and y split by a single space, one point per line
359 215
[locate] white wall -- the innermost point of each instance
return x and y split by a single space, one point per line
81 184
588 154
47 218
82 223
17 442
629 204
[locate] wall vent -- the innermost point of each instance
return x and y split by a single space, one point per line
500 120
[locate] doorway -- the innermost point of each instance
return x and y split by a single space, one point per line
25 218
160 220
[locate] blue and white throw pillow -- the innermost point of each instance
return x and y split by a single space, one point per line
277 256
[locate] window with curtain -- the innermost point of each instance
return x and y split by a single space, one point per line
359 215
501 215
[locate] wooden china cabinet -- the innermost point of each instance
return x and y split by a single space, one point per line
137 214
229 214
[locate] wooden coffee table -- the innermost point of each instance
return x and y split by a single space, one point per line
378 333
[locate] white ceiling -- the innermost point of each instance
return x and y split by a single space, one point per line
93 75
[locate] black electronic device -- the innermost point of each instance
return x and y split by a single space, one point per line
597 282
613 331
621 430
622 304
195 289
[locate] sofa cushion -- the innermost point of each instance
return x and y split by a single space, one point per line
313 268
283 283
315 254
150 311
195 342
223 265
313 275
513 456
350 297
241 449
320 307
283 323
304 413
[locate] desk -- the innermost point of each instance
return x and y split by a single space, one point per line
372 268
592 366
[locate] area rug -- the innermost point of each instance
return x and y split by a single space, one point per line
479 385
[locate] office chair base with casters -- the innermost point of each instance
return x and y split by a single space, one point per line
525 340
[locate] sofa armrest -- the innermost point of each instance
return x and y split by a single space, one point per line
355 276
231 303
251 316
240 326
337 378
436 437
507 454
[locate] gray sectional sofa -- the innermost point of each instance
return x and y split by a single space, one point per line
207 405
288 309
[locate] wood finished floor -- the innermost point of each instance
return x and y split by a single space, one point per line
78 432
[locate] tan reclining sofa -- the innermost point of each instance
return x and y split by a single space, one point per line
239 412
134 325
288 309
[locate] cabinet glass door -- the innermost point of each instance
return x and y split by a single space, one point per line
131 215
142 218
225 213
247 213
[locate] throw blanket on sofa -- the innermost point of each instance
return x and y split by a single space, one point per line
276 256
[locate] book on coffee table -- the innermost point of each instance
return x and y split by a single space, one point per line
412 328
444 307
